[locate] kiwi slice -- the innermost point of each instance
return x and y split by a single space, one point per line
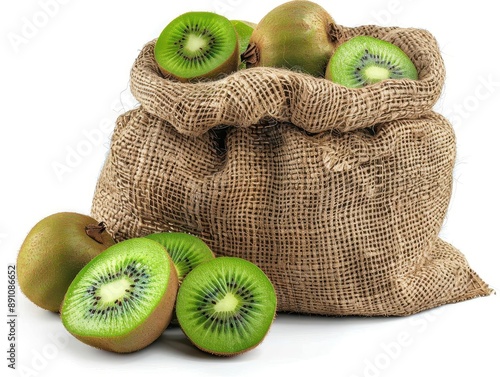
244 30
197 45
186 250
123 299
226 306
365 60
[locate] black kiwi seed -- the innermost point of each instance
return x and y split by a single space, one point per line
365 60
197 44
216 305
138 281
107 317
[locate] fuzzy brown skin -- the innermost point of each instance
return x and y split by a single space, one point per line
294 35
54 251
148 331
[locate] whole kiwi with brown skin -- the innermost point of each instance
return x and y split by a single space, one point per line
54 251
296 35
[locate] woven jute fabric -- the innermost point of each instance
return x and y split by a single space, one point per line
338 194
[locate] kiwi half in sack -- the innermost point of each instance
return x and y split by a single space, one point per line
197 45
365 60
226 306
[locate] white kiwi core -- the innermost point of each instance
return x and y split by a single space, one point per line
194 43
114 290
375 73
228 303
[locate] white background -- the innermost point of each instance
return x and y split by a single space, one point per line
67 80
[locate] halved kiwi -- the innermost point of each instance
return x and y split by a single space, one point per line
197 45
123 299
186 250
226 306
365 60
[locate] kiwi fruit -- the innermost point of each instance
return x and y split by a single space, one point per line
197 45
186 250
54 251
365 60
244 30
123 299
295 35
226 306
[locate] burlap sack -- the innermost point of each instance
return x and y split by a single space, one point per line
337 194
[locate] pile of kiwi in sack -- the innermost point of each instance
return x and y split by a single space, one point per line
308 148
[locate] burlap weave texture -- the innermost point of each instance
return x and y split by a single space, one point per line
337 194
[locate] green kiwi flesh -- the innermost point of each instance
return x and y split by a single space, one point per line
53 253
123 299
365 60
244 30
295 35
226 306
186 250
197 45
